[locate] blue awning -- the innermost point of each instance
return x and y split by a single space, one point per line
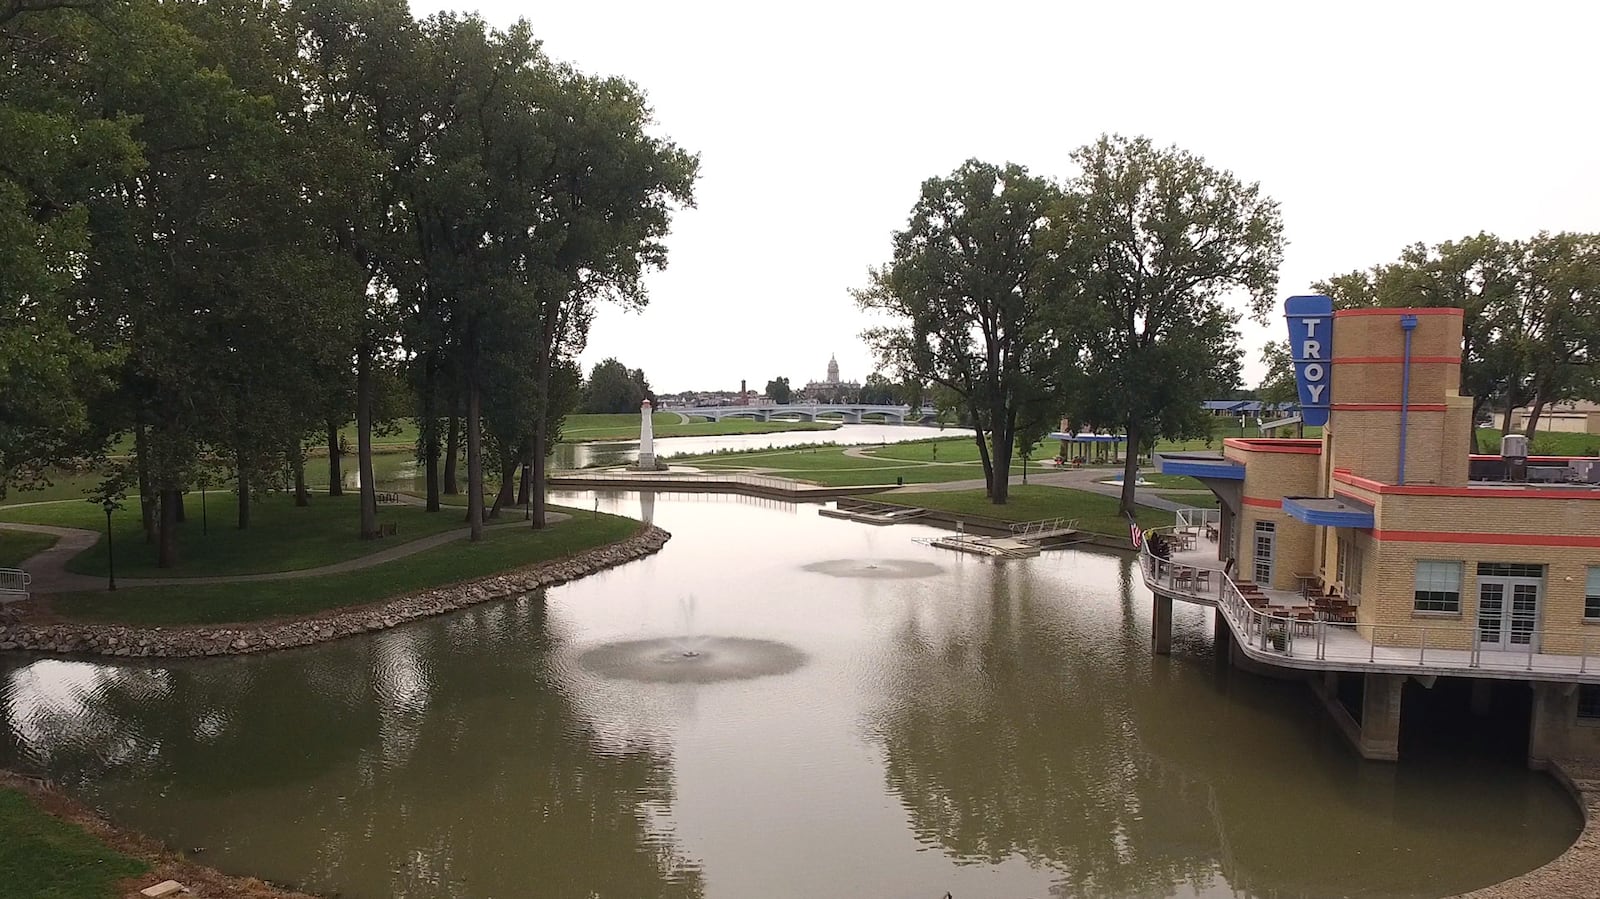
1198 465
1329 511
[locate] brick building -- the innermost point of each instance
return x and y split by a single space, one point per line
1384 551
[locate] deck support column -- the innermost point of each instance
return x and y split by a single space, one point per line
1161 625
1221 634
1548 727
1380 717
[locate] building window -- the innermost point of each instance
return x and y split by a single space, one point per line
1591 594
1589 701
1509 569
1438 587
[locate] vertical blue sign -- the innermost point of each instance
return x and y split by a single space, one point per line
1311 348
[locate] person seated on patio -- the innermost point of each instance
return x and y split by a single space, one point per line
1159 547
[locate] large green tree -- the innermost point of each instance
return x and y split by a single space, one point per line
1158 240
62 148
972 300
1479 275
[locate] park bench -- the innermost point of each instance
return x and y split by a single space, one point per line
388 499
388 529
14 585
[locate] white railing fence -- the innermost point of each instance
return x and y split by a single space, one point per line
1451 644
14 584
1197 518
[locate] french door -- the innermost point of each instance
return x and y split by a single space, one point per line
1508 612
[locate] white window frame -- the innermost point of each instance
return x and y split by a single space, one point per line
1437 576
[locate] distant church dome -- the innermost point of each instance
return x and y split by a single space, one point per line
833 370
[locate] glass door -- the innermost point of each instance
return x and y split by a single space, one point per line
1265 551
1508 612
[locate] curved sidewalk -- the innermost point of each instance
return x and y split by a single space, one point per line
50 575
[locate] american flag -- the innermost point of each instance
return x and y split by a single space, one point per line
1135 533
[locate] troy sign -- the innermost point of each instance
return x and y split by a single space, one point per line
1311 348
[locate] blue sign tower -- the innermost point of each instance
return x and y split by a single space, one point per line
1311 348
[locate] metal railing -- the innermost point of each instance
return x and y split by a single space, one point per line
14 584
1195 518
1043 527
1442 645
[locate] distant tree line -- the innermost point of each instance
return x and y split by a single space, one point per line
227 228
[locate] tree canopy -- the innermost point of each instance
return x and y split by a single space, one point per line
234 227
1104 298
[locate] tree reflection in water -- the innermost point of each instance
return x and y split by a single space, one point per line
1037 726
386 766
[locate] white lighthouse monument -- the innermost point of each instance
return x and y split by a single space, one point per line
647 438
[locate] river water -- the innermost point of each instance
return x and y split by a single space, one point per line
776 705
398 471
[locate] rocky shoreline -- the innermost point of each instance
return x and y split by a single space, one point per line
83 638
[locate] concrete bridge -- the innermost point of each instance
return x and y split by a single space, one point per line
850 414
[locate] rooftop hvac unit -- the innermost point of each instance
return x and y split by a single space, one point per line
1514 452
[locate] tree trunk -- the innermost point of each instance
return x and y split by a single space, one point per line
526 488
983 450
1541 398
538 459
1505 423
335 476
539 452
507 494
182 515
1003 435
369 491
474 463
147 512
1130 470
167 540
297 459
244 489
430 461
452 451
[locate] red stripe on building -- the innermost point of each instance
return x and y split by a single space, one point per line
1388 407
1263 503
1345 477
1431 310
1395 360
1566 540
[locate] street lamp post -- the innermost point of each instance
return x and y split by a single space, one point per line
111 554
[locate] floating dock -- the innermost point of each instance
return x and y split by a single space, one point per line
994 547
874 513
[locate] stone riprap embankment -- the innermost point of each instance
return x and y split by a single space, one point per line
185 642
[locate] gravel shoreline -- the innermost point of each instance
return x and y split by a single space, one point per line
83 638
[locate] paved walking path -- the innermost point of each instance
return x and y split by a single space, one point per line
50 575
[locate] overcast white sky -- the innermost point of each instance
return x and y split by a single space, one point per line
1375 125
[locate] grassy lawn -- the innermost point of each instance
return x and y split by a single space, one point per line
502 549
45 858
18 546
281 537
1094 512
1544 443
1163 481
1206 500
